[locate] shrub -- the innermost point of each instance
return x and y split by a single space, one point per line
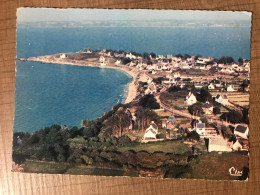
160 136
124 140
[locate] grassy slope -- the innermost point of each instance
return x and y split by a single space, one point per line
216 166
176 147
62 168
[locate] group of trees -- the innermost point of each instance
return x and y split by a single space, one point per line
119 122
149 101
226 60
144 118
235 116
196 109
202 96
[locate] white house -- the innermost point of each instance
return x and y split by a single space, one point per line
151 131
130 55
191 99
211 86
200 128
230 88
118 62
63 56
151 89
222 99
102 59
237 146
241 131
159 57
176 75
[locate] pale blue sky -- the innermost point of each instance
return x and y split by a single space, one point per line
51 14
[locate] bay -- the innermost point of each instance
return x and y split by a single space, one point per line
49 94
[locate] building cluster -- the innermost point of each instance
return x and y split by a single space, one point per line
191 71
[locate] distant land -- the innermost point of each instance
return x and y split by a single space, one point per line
136 23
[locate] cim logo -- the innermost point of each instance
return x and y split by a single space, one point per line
234 172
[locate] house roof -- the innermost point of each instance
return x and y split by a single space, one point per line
208 105
224 96
200 125
190 95
154 125
150 129
217 82
240 128
171 118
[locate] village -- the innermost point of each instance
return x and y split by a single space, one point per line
224 82
178 107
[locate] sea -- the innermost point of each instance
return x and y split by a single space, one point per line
47 94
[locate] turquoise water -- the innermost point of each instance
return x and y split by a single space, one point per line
49 94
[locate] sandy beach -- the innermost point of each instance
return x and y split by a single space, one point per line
132 87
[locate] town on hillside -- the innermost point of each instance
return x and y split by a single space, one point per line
177 104
198 94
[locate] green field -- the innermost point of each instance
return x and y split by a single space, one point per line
64 168
175 146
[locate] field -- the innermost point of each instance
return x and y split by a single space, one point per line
176 147
65 168
239 98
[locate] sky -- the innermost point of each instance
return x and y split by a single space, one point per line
52 14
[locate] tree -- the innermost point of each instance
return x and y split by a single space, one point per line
125 61
226 60
240 61
197 56
146 56
193 135
144 117
90 129
232 116
245 113
149 101
158 80
204 95
119 121
196 109
153 55
179 55
185 56
216 110
244 85
174 89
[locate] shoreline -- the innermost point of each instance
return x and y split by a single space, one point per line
132 86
